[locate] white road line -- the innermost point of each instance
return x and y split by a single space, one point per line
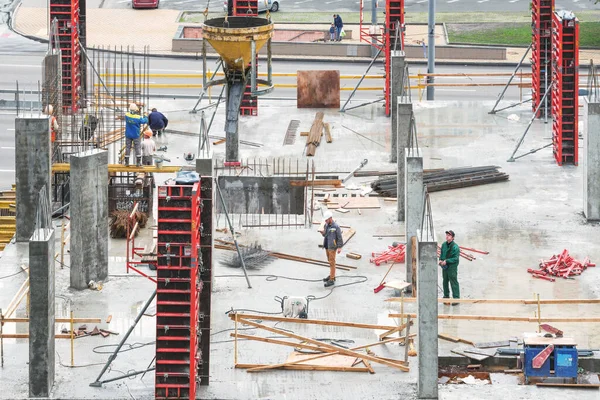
451 1
20 66
333 1
303 1
513 1
575 1
7 148
7 170
422 1
483 1
10 129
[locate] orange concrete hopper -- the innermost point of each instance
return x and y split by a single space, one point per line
232 38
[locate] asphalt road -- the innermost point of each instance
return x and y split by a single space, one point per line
349 5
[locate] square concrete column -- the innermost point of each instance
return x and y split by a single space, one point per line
427 317
591 161
41 313
89 217
405 113
414 204
33 169
397 64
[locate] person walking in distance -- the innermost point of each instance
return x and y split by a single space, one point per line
148 147
332 34
133 124
339 25
158 122
449 257
332 242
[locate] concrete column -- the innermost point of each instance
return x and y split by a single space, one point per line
32 165
41 313
89 217
405 112
396 81
235 93
413 203
427 317
591 161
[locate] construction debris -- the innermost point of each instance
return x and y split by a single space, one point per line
560 265
254 257
119 219
394 253
446 179
313 140
354 256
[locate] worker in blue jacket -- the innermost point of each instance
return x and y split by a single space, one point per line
133 125
449 258
158 122
332 242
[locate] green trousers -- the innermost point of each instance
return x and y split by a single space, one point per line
450 276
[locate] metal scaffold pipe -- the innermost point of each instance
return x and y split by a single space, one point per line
431 50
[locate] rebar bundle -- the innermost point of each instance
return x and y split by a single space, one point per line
254 257
446 179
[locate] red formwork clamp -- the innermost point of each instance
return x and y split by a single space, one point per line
394 254
561 265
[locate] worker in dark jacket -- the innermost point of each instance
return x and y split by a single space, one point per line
133 125
339 25
332 242
158 122
449 256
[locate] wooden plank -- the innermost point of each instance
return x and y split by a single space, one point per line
512 371
342 210
357 203
319 182
312 321
487 345
478 357
544 341
483 352
304 134
336 360
573 385
347 234
302 367
400 285
354 256
499 318
328 137
504 301
449 338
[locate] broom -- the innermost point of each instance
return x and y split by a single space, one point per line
380 287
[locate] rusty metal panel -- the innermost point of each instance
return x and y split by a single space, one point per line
318 89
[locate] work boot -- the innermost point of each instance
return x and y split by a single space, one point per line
330 282
138 161
326 278
455 304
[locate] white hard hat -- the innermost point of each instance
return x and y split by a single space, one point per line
133 107
49 109
327 215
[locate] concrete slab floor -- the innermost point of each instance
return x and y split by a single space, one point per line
532 216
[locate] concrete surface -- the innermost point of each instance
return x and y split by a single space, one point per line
32 144
535 214
591 160
397 65
41 319
405 112
89 222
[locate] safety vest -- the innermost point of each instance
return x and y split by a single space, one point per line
52 129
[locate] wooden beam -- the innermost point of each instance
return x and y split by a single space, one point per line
66 167
277 341
574 385
312 321
59 320
391 331
326 345
300 367
449 338
318 182
499 318
26 336
503 301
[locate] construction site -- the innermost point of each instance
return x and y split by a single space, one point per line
204 269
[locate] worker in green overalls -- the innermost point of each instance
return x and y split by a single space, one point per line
449 256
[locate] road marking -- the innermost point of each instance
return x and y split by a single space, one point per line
7 170
422 1
10 129
303 1
483 1
7 148
513 1
575 1
451 1
20 65
333 1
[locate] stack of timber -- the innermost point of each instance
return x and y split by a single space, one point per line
314 136
8 222
453 178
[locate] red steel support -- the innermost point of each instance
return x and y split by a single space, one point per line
565 92
66 12
541 24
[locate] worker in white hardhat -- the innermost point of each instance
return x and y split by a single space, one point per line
133 125
332 242
53 122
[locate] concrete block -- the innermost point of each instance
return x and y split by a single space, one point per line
591 161
33 169
89 218
405 112
204 166
398 62
42 313
413 203
427 316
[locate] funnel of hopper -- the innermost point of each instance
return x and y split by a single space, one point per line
233 39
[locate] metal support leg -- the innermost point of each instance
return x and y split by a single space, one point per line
253 85
97 382
204 83
494 111
362 78
512 156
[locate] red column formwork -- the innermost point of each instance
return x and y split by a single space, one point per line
249 105
176 298
66 12
394 40
565 76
